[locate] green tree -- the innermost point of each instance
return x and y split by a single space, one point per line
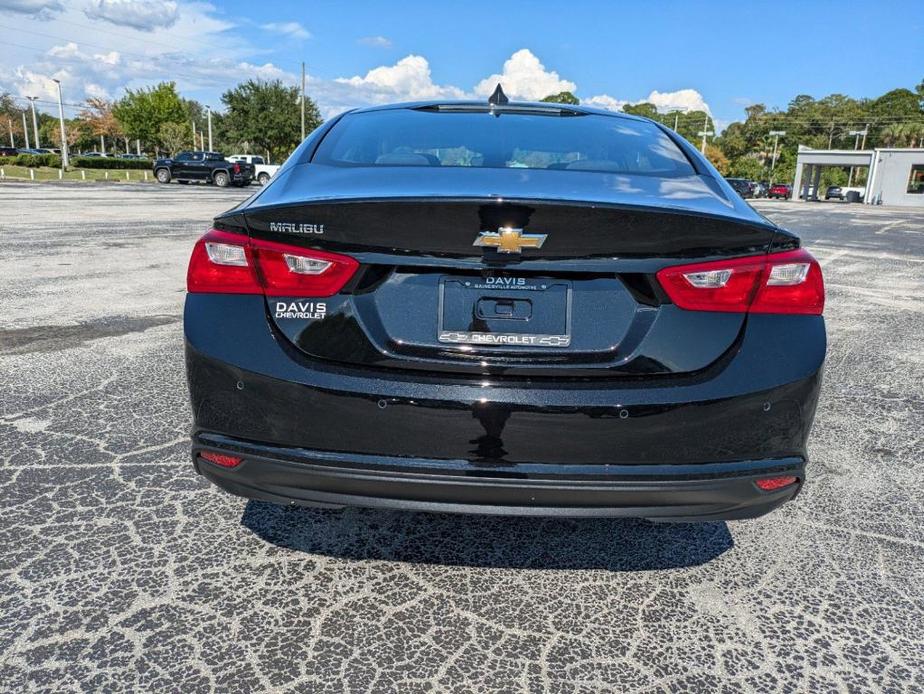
175 136
141 113
563 98
749 167
266 116
644 109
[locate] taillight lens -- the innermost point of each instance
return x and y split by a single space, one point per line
227 263
789 282
293 271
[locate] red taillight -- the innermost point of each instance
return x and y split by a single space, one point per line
788 282
222 459
237 167
228 263
771 484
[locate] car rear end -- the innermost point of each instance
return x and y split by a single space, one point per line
526 338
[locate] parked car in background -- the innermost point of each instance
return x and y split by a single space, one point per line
835 192
742 186
8 151
759 189
134 157
263 172
94 154
207 167
780 190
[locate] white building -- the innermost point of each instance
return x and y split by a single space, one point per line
895 177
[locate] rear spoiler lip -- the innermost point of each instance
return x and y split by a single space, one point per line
761 223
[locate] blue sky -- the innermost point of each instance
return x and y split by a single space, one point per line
723 55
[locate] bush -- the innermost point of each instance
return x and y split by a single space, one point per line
34 160
110 163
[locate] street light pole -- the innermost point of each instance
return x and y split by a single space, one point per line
303 100
64 158
777 134
210 126
25 129
10 123
34 121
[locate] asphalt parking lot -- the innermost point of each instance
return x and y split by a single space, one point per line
122 570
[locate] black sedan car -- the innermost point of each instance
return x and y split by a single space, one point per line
503 308
742 186
835 192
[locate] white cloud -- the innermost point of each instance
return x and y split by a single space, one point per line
68 50
605 101
291 29
144 15
524 77
688 99
375 41
685 99
408 79
42 9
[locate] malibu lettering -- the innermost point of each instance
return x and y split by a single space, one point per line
293 228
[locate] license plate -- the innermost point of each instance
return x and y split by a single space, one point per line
505 311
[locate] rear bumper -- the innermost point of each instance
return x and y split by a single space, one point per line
313 432
297 476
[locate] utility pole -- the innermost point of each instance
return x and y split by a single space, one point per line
856 146
210 126
138 147
34 121
777 134
64 159
704 133
10 123
303 100
677 112
194 133
25 129
102 143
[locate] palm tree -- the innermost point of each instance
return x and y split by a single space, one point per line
916 133
895 135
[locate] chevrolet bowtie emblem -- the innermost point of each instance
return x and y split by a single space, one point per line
509 240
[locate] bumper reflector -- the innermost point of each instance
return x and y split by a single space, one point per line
221 458
771 484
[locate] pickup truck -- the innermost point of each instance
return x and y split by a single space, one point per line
210 167
263 172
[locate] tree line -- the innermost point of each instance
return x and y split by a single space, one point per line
263 117
745 149
259 117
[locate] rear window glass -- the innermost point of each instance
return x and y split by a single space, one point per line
586 142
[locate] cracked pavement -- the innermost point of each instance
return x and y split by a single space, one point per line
122 570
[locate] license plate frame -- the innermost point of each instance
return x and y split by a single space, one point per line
548 325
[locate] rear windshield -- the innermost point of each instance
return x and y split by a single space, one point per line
584 142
